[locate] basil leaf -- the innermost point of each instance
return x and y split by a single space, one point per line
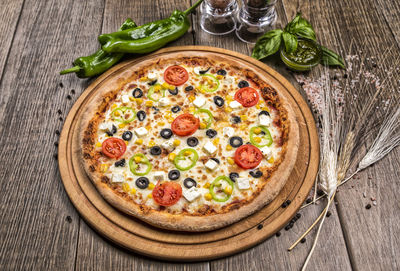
305 32
330 58
290 41
293 23
268 44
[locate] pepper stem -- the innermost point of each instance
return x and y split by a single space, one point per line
189 10
73 69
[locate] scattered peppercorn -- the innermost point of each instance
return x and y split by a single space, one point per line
278 234
56 144
345 76
68 219
57 132
320 193
60 119
298 215
72 91
61 85
303 240
328 214
309 200
69 97
55 156
368 206
260 226
288 202
284 205
288 227
59 111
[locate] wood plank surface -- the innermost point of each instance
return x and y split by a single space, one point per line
38 225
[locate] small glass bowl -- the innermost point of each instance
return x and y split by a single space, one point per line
296 66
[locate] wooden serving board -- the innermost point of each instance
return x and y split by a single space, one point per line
138 236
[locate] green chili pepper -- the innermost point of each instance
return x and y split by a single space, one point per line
122 112
208 112
207 88
99 62
151 92
267 136
181 156
149 37
133 166
217 182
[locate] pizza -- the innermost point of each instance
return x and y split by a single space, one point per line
188 142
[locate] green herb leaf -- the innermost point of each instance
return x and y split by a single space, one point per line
330 58
290 41
268 44
301 27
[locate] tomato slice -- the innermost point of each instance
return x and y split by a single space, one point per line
113 147
167 193
248 156
176 75
247 96
185 125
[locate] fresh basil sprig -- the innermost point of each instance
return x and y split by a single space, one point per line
271 41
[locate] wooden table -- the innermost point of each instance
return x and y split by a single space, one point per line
39 227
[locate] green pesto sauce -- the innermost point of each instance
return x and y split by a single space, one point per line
306 53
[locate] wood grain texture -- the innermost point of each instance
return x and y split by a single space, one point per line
38 225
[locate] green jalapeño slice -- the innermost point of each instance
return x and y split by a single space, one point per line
264 136
307 55
123 114
136 163
221 195
210 84
209 116
186 159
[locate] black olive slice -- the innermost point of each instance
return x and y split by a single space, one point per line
173 91
233 176
236 119
137 93
189 88
166 133
142 182
152 82
192 141
205 71
215 159
120 163
113 131
236 141
189 183
264 113
127 135
156 150
211 133
256 173
174 174
141 115
219 101
176 109
221 72
243 84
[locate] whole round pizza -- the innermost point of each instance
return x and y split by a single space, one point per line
189 142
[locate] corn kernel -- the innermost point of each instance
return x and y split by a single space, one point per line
161 123
203 125
165 85
170 120
168 115
216 141
151 186
219 77
265 108
150 196
207 185
187 153
148 127
157 88
191 98
258 106
117 114
143 79
152 143
257 139
139 141
132 99
228 98
177 142
121 125
133 191
243 127
149 103
125 187
271 160
192 109
257 130
139 100
98 144
138 159
113 106
104 168
228 190
228 147
171 156
230 161
243 117
208 196
228 109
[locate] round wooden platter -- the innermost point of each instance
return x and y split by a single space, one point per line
138 236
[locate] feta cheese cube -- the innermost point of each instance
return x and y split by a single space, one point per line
159 175
191 194
164 101
168 145
243 183
106 126
117 178
141 131
125 99
228 131
264 120
151 75
210 148
266 152
199 101
235 104
211 164
197 70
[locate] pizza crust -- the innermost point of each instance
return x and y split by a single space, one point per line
179 222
